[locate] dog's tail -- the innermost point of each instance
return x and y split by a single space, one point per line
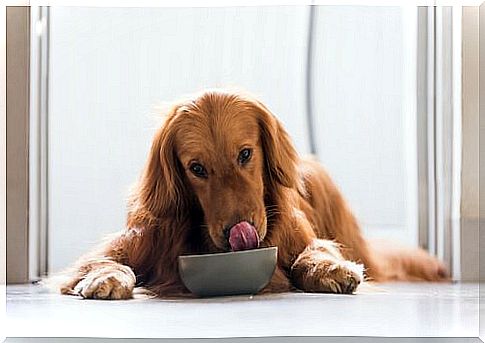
400 263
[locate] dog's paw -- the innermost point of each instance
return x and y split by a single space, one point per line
431 269
107 283
339 277
329 276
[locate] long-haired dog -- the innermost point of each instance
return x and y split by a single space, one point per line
222 174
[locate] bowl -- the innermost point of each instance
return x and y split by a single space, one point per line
232 273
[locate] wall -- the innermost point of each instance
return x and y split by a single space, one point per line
18 33
482 146
470 144
366 115
109 68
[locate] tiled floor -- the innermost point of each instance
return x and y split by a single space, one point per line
392 310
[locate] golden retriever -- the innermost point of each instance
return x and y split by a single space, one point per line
222 174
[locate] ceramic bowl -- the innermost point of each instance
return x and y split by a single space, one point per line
240 272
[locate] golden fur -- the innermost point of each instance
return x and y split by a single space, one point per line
292 202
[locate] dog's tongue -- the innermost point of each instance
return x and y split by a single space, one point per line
243 236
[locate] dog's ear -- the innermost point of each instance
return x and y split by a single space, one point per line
161 190
281 158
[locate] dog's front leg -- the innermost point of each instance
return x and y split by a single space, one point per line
321 268
103 274
105 280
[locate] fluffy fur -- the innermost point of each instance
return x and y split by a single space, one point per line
292 202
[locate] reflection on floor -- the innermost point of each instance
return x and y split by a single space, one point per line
392 310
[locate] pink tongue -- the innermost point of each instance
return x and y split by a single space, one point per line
243 236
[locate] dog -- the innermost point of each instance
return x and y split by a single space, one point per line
222 174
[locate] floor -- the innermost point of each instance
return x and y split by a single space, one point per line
391 310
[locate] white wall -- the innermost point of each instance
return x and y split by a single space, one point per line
109 68
365 91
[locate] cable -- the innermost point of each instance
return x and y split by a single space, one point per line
309 81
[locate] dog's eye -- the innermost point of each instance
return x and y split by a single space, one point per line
244 156
198 170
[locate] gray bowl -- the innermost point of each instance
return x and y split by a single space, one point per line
241 272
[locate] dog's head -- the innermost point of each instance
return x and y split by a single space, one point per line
226 155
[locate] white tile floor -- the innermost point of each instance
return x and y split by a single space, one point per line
393 310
